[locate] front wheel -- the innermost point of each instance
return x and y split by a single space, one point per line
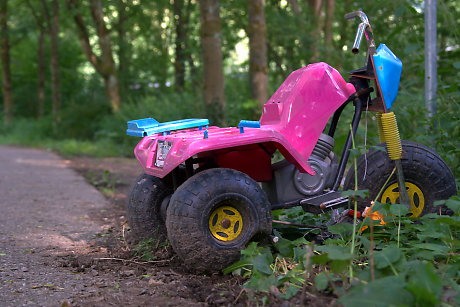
213 215
427 176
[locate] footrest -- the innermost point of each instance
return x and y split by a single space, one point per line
149 126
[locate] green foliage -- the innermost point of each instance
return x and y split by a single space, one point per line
386 291
144 47
25 132
411 262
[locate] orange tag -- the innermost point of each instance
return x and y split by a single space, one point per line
374 215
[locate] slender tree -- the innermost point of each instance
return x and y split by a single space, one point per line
182 11
103 64
41 71
42 26
258 50
55 78
318 18
6 64
344 26
212 60
295 7
330 6
179 63
123 47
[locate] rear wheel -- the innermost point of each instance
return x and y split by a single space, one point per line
428 178
144 208
213 215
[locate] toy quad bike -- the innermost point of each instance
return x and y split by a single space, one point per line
210 190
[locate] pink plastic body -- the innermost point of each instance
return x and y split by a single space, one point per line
292 121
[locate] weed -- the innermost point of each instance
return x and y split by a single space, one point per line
104 181
146 249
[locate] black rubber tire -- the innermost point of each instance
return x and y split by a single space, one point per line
421 166
191 206
143 210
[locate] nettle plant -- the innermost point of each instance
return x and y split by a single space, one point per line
396 260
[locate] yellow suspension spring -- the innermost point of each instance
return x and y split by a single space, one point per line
391 135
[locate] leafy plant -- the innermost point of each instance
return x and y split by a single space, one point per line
405 262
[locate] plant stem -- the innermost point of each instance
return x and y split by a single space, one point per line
385 184
355 207
371 249
308 254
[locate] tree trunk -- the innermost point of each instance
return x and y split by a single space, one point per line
212 61
123 48
192 67
105 64
330 6
179 62
42 23
295 7
55 79
41 73
258 50
6 69
344 26
42 29
316 8
112 87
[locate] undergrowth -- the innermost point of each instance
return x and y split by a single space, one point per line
406 262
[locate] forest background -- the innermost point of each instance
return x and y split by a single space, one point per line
73 72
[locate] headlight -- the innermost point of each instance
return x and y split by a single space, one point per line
163 148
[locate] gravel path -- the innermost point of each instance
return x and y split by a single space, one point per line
45 210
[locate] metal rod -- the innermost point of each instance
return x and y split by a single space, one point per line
297 224
403 195
431 68
335 118
189 167
347 147
175 180
286 205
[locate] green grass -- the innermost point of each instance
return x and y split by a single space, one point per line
69 147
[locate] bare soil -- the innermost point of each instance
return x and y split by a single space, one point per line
63 244
159 282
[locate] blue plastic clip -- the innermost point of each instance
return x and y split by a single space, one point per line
248 124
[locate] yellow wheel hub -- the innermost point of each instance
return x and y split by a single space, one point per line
225 223
416 197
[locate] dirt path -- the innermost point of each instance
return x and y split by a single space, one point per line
58 236
45 211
